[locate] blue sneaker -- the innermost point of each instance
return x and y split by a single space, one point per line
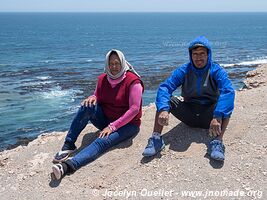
154 146
216 150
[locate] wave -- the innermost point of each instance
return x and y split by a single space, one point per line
67 61
246 63
38 84
35 84
56 93
43 77
4 65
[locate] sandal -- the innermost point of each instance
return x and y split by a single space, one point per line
62 155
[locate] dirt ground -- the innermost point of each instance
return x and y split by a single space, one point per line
181 171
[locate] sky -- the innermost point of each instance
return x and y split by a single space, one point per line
133 6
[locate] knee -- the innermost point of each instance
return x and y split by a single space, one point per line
86 110
174 102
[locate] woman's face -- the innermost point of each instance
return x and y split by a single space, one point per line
114 64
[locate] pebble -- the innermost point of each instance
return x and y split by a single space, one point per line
32 173
248 165
168 169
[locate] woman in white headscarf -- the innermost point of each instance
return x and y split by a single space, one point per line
115 109
125 65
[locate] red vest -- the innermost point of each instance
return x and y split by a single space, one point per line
115 101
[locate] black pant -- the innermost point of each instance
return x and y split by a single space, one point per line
192 114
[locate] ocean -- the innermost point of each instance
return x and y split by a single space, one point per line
49 62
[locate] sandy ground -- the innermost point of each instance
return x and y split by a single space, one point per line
181 171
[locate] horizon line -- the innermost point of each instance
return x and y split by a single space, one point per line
133 11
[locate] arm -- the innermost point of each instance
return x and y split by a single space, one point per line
135 97
167 88
225 104
224 107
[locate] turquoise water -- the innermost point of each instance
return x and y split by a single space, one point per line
49 62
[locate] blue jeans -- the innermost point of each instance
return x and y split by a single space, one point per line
96 116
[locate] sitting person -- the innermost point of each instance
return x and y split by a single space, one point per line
115 109
208 99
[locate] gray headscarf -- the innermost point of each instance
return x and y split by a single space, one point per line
125 65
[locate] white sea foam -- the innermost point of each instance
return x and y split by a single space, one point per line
57 61
247 63
255 62
47 61
57 93
43 77
36 83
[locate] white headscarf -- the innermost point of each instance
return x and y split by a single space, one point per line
125 65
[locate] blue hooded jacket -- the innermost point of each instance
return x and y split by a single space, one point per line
203 86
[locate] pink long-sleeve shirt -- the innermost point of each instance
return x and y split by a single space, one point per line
135 97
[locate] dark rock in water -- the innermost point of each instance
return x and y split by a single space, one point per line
21 141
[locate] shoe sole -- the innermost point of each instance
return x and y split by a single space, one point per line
218 159
146 155
56 172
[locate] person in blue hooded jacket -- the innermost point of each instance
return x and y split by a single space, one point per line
208 99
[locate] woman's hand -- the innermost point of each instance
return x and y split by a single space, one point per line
215 127
88 102
105 132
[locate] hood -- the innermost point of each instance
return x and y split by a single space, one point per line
200 41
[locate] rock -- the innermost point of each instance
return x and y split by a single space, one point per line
252 73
